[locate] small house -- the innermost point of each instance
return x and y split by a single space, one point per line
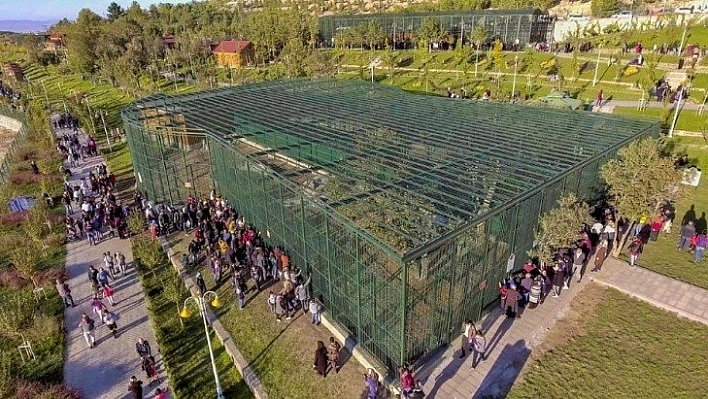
54 42
234 53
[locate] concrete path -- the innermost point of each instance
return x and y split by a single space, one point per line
509 346
682 298
104 371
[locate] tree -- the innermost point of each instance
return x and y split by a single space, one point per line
114 11
81 41
374 34
294 57
25 257
560 227
604 8
17 313
150 254
174 292
478 36
431 31
640 180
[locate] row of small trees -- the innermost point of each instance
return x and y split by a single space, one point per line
639 180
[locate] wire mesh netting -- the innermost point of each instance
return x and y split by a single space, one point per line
406 209
527 25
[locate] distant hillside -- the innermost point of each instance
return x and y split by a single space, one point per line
25 25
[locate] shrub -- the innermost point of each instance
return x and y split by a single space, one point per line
36 390
12 220
24 178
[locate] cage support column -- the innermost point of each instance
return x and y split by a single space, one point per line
404 308
329 259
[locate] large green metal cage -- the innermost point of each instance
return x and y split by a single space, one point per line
405 208
527 25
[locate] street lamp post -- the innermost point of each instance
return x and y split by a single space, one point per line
597 66
516 70
105 129
201 301
676 111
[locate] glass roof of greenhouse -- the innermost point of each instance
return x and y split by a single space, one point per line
406 168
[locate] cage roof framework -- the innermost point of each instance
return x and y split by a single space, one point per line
409 170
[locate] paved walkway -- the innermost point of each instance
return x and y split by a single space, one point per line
509 346
104 371
685 299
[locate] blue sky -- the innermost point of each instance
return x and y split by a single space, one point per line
57 9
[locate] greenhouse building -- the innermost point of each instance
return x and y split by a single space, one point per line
525 25
405 208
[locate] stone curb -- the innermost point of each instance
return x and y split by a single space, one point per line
246 371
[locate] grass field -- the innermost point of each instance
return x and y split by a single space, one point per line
614 346
687 119
184 348
662 256
280 353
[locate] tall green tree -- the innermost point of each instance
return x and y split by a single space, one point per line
81 41
560 227
640 179
114 11
431 31
478 36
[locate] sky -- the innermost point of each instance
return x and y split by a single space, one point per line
42 10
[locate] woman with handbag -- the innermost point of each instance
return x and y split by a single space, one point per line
479 347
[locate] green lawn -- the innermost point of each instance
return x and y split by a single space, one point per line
687 120
280 353
184 349
614 346
662 255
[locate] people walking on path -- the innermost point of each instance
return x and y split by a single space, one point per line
108 294
143 348
687 233
466 333
111 324
600 255
333 354
479 347
88 327
65 293
135 388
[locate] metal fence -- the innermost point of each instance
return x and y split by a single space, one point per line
17 141
527 25
398 296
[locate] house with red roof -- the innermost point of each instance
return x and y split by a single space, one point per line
234 53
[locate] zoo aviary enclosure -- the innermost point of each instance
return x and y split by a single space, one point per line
406 209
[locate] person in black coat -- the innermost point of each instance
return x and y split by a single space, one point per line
321 359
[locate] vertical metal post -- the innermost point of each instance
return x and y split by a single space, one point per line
303 238
329 262
164 169
358 289
677 110
404 312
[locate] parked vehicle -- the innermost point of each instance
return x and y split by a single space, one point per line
684 10
577 17
623 14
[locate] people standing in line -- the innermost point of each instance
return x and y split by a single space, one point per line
315 310
558 280
135 387
511 305
120 260
302 295
320 364
687 233
579 258
600 255
333 354
635 249
110 264
65 293
701 243
372 384
407 382
88 327
465 341
201 285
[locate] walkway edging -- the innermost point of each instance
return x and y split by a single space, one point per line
244 368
